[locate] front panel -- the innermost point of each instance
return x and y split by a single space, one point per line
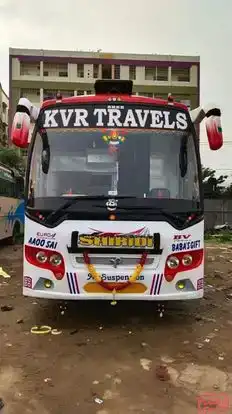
113 249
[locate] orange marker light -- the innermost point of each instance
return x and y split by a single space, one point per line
112 217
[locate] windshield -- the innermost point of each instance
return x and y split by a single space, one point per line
114 162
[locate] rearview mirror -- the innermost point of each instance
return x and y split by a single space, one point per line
214 132
20 129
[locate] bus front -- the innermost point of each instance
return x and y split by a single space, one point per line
114 202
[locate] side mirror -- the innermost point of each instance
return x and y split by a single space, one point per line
214 132
20 129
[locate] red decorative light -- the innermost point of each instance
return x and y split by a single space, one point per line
31 256
39 215
197 258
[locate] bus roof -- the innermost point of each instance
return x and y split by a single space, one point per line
113 90
112 97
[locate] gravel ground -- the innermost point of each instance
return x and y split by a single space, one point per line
115 360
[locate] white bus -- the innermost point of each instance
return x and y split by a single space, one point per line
11 204
114 202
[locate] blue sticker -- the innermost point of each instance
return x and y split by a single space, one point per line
48 244
182 246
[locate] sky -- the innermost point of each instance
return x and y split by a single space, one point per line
181 27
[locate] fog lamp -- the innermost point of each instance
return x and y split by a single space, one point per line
47 283
180 285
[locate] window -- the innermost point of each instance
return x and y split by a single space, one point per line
79 93
180 75
117 70
30 68
89 92
32 94
80 160
156 74
106 72
132 72
56 70
80 70
162 74
63 74
49 94
96 71
7 186
150 73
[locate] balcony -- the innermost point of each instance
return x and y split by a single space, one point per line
30 70
180 76
54 71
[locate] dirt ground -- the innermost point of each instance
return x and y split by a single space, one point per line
107 359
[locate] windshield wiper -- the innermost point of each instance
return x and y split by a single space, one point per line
73 200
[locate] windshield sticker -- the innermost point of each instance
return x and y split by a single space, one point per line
27 282
113 139
200 284
111 204
126 241
137 240
183 246
96 116
48 244
46 235
114 278
182 237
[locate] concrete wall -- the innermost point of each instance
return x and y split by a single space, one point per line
217 212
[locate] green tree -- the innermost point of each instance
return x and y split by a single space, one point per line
213 186
12 158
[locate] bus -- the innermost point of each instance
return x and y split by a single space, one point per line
114 201
11 204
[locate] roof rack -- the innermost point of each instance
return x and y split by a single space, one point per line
109 86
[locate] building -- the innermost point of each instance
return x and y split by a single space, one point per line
38 74
4 106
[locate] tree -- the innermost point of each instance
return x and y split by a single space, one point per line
213 186
228 192
12 158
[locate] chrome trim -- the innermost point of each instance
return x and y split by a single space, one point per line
107 261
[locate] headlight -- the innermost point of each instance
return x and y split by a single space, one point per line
41 257
187 260
55 260
173 262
